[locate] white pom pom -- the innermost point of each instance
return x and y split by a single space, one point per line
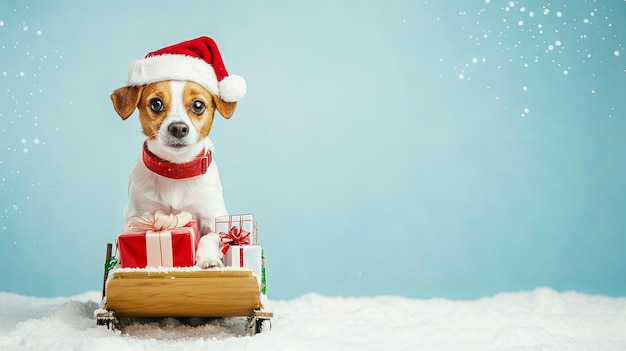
232 88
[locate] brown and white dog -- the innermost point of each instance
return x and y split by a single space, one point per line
175 171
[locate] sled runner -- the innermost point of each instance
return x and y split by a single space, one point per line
145 293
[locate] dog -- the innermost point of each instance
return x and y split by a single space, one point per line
176 117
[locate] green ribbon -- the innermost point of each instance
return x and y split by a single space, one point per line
263 281
110 263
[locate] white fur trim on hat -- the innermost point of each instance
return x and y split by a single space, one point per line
232 88
173 67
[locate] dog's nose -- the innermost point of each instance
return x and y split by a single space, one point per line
178 129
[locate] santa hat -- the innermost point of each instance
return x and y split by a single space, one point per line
197 60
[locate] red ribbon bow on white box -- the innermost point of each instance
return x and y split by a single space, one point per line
235 236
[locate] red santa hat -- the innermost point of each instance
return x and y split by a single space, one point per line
197 60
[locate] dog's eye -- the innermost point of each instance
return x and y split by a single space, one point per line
156 105
198 107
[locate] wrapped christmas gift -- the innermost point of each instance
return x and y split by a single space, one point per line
239 246
244 222
159 240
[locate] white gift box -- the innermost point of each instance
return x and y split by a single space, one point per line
241 221
246 256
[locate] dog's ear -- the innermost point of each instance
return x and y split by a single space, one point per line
126 99
226 109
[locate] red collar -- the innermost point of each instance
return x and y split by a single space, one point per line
195 167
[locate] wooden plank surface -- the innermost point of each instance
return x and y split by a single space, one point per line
212 293
214 273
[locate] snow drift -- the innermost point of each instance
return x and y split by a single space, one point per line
541 319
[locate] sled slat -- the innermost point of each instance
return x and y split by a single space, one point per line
212 293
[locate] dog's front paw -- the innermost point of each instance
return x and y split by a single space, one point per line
207 262
208 252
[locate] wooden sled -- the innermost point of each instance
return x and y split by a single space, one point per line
182 294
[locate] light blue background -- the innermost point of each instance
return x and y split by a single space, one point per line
416 148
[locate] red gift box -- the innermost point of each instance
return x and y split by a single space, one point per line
174 247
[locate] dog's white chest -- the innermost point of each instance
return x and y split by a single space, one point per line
201 195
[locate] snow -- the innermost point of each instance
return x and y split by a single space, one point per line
541 319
